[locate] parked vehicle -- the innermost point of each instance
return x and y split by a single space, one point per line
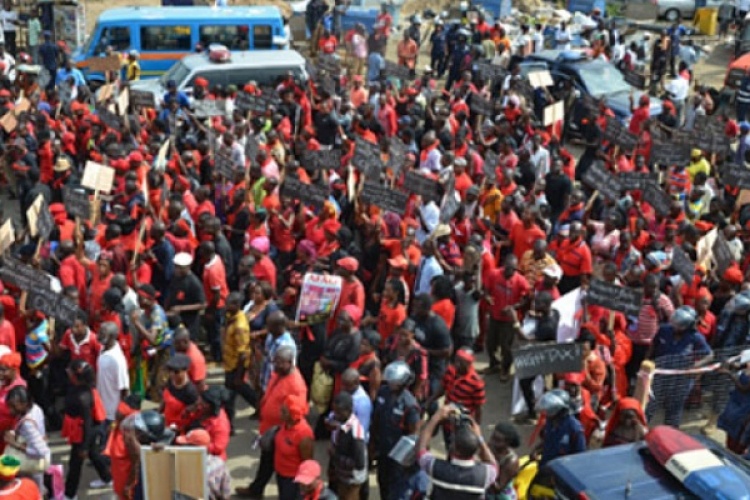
265 67
164 35
674 10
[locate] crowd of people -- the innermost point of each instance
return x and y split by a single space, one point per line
181 266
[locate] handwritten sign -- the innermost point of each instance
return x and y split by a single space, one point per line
722 255
7 236
607 184
399 71
554 113
539 79
306 193
109 63
617 134
657 198
40 220
208 108
9 122
635 180
329 63
53 304
385 198
223 163
682 264
481 106
143 99
667 153
77 202
543 359
22 276
255 103
397 152
416 183
322 159
615 297
736 175
491 72
366 156
98 177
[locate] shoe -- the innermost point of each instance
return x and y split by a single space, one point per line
247 493
98 484
490 370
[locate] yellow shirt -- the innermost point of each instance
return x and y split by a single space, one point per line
532 269
236 341
701 165
133 71
492 203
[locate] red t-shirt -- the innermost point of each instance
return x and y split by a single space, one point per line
287 458
575 258
8 335
265 270
446 310
87 349
505 292
389 319
197 370
215 278
523 238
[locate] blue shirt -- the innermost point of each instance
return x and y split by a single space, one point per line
363 409
562 437
63 75
48 54
182 99
273 345
374 65
682 352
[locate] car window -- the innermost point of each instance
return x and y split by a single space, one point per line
262 36
264 77
214 77
603 79
234 37
116 36
165 38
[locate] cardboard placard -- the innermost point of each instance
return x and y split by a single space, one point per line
605 182
53 304
141 98
208 108
682 264
309 194
39 218
175 472
323 159
9 122
77 202
105 92
161 158
736 175
636 180
722 255
655 196
398 71
667 153
123 101
481 106
22 106
419 184
366 156
635 79
22 276
329 63
7 236
98 177
385 198
257 104
615 297
539 79
109 118
109 63
544 358
252 147
619 135
318 298
554 113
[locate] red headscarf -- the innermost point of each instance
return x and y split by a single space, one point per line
623 405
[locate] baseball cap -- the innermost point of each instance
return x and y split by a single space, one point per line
196 437
183 259
308 472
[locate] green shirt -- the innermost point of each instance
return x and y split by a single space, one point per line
35 28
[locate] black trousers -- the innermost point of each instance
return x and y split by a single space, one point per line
78 453
527 389
235 388
10 43
263 476
288 489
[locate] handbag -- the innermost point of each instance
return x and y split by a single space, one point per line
28 465
321 388
267 439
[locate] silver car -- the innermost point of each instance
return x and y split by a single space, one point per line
675 10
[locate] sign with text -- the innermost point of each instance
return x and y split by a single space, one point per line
306 193
109 63
385 198
424 186
319 296
53 304
366 156
98 177
736 175
722 255
615 297
554 113
539 79
481 106
22 276
606 183
543 359
143 99
323 159
667 153
636 180
399 71
655 196
682 264
40 220
257 103
491 72
77 202
208 108
616 133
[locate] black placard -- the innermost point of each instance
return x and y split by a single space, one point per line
367 157
617 134
223 163
590 105
322 159
77 202
397 155
480 105
667 153
543 359
615 297
492 72
258 104
449 208
308 194
722 254
329 63
490 163
110 119
54 305
605 182
385 198
399 71
736 176
142 98
22 276
682 264
44 222
681 138
637 80
635 180
655 196
709 135
252 147
416 183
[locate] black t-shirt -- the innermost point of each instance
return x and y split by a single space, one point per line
186 291
558 187
327 127
432 333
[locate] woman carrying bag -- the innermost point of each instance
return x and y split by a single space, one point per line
28 441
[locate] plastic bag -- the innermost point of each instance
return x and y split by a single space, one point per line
321 388
56 476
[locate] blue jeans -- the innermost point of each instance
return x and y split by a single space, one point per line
742 109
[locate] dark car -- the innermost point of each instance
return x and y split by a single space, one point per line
628 471
593 77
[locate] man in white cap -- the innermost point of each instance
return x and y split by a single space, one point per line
185 295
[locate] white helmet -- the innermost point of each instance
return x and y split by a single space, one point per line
684 318
553 402
397 372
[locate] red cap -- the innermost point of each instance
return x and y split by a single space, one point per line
308 472
135 156
348 263
196 437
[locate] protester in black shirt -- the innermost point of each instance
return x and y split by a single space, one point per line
558 189
185 294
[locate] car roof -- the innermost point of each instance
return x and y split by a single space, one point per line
189 13
567 57
627 471
253 58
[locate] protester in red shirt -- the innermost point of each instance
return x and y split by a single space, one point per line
81 343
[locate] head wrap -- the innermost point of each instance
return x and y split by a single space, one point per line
623 405
11 360
354 312
296 406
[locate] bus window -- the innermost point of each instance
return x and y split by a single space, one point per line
232 37
262 36
165 38
116 36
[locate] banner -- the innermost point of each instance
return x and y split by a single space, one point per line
319 297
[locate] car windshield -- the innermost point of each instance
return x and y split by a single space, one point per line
178 73
603 79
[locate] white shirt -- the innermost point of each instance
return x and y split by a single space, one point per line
540 160
8 17
112 377
562 37
538 41
428 268
679 88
